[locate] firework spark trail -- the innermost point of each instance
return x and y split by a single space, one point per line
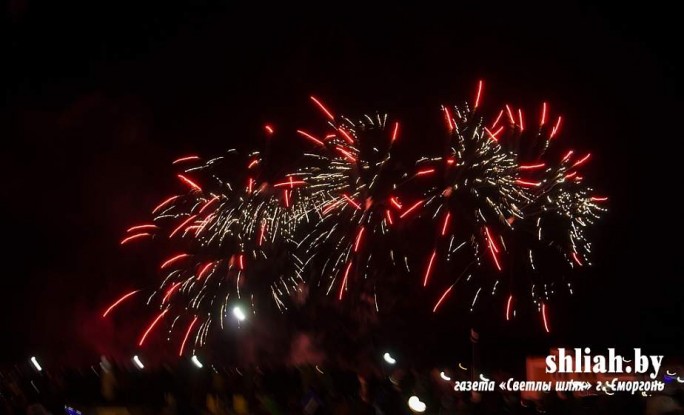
187 334
119 301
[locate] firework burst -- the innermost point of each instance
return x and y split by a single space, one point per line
229 231
507 207
350 183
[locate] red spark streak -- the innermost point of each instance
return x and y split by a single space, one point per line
202 224
133 237
164 203
346 136
141 227
510 114
269 129
531 166
491 240
543 117
241 262
117 302
204 270
576 258
253 163
395 132
310 137
187 334
182 225
287 198
331 206
411 209
571 175
527 183
497 119
445 225
395 202
290 183
322 107
262 234
182 159
582 160
170 291
346 153
555 128
546 322
479 91
356 205
494 134
598 199
388 214
567 156
344 281
429 267
448 118
172 260
190 183
424 172
149 329
358 239
520 117
250 185
508 307
493 250
442 298
208 202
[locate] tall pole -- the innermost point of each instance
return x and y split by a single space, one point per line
474 338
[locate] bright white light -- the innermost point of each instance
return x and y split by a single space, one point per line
196 362
460 366
137 362
444 376
680 380
239 314
389 359
35 363
416 405
482 378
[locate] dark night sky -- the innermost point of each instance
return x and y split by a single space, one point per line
98 97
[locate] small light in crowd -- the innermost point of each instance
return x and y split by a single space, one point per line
104 364
416 405
35 363
137 362
389 359
196 362
444 376
239 314
71 411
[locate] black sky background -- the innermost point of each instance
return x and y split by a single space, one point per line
99 97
